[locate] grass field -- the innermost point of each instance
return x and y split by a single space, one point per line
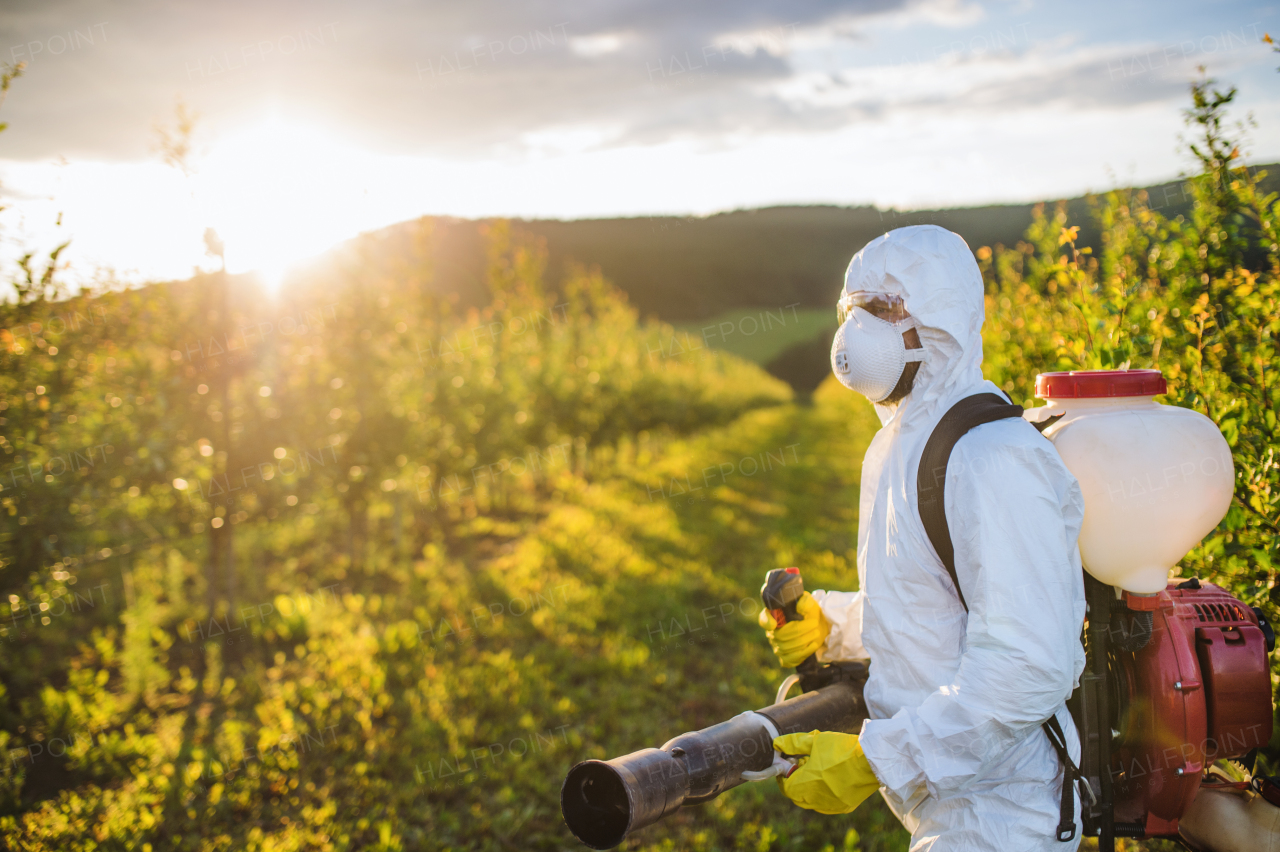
759 335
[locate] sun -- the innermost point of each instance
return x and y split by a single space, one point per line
279 192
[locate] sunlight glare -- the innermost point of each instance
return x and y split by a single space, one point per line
279 192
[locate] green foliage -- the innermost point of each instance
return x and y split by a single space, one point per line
8 73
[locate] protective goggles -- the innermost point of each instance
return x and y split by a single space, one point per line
886 306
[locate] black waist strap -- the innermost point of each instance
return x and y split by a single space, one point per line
1071 774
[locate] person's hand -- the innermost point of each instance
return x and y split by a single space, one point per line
833 776
794 641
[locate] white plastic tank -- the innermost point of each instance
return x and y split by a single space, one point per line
1156 478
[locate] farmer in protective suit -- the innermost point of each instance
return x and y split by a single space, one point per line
961 680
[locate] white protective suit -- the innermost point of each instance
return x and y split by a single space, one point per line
957 699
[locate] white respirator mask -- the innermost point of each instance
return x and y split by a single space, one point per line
868 354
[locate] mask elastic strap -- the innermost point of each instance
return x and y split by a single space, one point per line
910 322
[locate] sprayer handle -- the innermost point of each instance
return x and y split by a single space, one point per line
782 590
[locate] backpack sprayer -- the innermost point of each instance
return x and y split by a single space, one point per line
1177 673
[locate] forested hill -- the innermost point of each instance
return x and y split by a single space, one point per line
686 269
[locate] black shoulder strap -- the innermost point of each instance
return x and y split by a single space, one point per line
931 476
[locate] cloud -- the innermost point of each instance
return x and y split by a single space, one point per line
515 81
414 78
481 79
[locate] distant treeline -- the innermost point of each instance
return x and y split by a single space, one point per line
687 268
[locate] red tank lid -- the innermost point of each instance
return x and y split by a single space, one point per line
1092 384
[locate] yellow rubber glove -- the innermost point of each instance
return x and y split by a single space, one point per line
835 777
796 640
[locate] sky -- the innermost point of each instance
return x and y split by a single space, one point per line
319 120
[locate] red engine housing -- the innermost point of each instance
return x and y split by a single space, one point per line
1198 692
